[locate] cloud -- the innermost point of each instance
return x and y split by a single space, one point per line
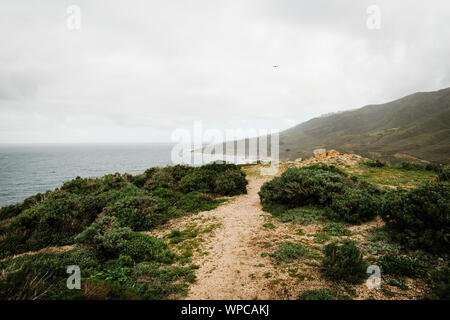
137 71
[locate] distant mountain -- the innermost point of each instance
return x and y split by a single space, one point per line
416 127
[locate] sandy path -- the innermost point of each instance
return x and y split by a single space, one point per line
226 273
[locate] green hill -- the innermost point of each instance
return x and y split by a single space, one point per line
416 126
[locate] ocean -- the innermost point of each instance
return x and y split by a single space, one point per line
29 169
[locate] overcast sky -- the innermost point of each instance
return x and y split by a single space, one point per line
137 70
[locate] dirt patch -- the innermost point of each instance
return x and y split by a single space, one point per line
407 156
55 250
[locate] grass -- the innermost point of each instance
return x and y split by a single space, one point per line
393 177
336 229
321 237
288 251
303 215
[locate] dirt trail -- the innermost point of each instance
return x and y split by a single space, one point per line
225 273
44 250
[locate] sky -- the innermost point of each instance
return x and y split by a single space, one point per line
136 71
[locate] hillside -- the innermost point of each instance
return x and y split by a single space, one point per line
416 126
151 237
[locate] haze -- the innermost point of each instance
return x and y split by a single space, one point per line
137 70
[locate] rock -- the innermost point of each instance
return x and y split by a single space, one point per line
320 153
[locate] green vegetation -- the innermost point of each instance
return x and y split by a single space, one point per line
321 237
393 176
177 236
380 242
55 218
413 126
336 229
374 163
288 251
102 216
323 294
413 241
325 187
344 262
419 219
401 266
440 284
444 175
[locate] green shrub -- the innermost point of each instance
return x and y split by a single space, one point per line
161 178
321 237
326 167
336 229
410 166
196 201
401 266
99 214
444 175
56 220
440 284
110 240
138 180
345 199
303 215
323 294
177 236
15 209
139 213
141 247
301 186
43 276
231 183
420 218
375 163
288 251
354 206
344 262
106 237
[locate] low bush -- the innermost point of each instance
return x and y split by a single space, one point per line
220 179
344 262
411 166
110 240
303 215
231 183
101 215
440 284
15 209
43 276
288 251
177 236
196 201
343 198
375 163
354 206
401 266
141 202
336 229
419 219
444 175
140 213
